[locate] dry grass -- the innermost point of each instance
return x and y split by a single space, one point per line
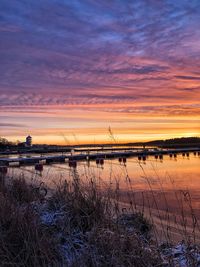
85 206
23 239
20 191
103 240
80 225
116 247
82 231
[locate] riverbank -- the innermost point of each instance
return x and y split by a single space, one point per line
78 225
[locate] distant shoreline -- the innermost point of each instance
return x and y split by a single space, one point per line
168 143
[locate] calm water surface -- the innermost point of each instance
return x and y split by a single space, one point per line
138 180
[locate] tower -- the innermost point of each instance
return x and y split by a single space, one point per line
28 141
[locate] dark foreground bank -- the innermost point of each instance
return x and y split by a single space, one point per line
78 225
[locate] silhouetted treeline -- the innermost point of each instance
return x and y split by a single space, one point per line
169 143
176 142
4 143
182 140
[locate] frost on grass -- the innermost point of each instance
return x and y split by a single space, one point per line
182 255
75 226
87 233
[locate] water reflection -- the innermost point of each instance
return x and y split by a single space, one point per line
166 189
160 175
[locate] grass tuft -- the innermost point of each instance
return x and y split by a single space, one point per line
23 240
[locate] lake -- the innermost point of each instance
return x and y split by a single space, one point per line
167 189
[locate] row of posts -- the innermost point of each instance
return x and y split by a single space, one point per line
99 161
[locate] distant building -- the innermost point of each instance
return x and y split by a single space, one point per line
28 141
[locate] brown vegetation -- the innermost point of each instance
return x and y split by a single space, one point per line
78 225
82 231
23 240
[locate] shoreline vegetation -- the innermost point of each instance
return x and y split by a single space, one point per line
79 224
168 143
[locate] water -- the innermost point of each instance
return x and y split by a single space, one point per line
169 175
166 188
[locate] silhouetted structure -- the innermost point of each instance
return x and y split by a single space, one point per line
28 141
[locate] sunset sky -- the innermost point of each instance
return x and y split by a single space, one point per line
71 69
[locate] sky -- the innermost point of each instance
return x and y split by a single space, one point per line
87 71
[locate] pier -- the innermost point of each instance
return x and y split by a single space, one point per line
140 154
